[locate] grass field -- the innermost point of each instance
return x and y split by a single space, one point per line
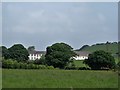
79 63
0 79
58 79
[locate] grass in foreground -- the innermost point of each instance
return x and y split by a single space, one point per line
0 79
58 79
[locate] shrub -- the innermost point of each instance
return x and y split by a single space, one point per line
15 65
22 65
42 66
50 67
100 60
12 64
7 63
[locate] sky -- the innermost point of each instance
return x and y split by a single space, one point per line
42 24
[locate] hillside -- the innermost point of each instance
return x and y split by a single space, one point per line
109 47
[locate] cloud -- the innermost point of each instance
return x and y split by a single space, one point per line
37 14
41 24
0 24
101 17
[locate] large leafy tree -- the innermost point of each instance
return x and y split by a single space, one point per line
4 52
59 54
31 48
18 52
100 60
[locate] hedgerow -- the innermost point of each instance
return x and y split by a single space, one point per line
13 64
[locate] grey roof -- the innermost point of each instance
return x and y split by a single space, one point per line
82 53
37 52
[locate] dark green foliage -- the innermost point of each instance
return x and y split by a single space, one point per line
4 52
100 60
31 48
118 64
58 55
13 64
37 61
18 52
71 66
40 61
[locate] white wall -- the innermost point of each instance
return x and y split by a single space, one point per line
80 57
34 56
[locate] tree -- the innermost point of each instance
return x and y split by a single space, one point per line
40 61
4 52
18 52
58 55
31 48
100 60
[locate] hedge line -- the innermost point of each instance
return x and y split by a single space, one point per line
13 64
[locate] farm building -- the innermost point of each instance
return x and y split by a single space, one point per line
33 55
81 55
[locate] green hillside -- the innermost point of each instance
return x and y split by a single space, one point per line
109 47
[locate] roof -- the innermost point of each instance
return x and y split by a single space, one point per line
82 53
37 52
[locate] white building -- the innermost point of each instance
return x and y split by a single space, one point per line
81 55
33 55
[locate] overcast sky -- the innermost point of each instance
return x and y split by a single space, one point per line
42 24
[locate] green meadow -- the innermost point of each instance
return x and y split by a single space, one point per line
79 63
0 78
112 48
19 78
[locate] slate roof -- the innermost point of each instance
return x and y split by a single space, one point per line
80 53
37 52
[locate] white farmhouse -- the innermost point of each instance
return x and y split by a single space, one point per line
33 55
81 55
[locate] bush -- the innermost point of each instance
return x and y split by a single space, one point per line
22 65
7 63
42 67
12 64
100 60
50 67
16 65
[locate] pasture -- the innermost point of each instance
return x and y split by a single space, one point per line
0 78
112 48
19 78
79 63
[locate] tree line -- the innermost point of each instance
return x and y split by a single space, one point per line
58 55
